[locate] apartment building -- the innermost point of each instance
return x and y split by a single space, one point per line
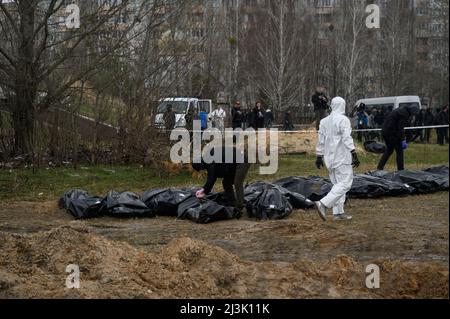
431 33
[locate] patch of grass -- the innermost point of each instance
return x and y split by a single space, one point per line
51 183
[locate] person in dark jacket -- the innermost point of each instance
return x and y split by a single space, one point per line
237 116
287 124
446 121
428 120
232 174
169 118
258 116
245 119
378 119
419 122
190 118
269 118
394 134
320 102
442 119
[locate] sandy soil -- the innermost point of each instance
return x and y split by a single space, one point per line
300 257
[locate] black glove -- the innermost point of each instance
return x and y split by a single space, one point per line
319 162
355 160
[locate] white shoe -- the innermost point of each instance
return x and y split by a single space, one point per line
322 209
342 217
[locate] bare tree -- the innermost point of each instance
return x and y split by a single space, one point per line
396 47
352 47
25 61
281 53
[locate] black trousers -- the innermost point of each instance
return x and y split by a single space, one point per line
236 125
320 114
427 135
441 135
392 144
230 195
235 195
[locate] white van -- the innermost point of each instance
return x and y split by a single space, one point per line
389 103
181 107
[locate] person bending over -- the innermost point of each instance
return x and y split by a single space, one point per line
233 177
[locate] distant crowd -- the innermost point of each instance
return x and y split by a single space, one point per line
374 119
257 118
364 118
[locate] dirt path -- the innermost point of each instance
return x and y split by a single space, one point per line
298 257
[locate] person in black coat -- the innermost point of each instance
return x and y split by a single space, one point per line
446 121
287 124
237 116
419 122
246 119
379 119
258 117
269 118
442 119
232 174
320 102
169 118
428 120
393 132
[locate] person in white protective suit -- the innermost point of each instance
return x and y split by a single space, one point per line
218 117
335 146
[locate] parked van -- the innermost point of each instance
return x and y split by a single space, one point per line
181 106
389 103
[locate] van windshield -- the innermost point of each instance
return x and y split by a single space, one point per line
179 107
410 104
204 106
386 108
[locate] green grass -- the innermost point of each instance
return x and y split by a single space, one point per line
51 183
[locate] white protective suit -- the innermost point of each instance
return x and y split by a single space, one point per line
335 144
218 117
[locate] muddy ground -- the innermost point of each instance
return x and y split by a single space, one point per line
300 257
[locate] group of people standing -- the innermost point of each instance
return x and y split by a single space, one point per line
256 118
375 118
428 118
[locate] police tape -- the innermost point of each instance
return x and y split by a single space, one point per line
406 128
353 131
374 129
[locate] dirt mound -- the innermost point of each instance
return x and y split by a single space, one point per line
303 142
33 266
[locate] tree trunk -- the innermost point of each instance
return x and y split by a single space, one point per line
23 119
24 112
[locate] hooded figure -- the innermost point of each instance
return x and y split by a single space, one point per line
335 146
394 134
218 118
